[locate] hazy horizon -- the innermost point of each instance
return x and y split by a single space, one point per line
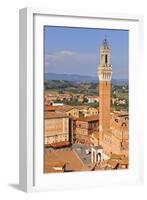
93 76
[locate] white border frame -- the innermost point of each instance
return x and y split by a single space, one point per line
28 95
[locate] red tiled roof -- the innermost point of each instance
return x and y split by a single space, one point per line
52 115
112 163
49 108
89 118
59 144
125 161
56 164
64 108
117 156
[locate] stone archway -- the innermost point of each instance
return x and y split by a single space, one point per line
99 157
96 155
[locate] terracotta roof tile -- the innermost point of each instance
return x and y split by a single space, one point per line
52 115
88 118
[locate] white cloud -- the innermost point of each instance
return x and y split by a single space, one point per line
57 56
66 52
67 61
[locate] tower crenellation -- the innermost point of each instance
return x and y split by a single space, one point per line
105 67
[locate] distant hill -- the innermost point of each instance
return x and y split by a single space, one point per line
80 78
70 77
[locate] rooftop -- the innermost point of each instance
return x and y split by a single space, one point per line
88 118
58 144
84 107
56 164
49 108
124 161
112 163
72 162
117 156
97 147
53 115
64 108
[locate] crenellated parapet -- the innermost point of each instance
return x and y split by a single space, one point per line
105 67
105 72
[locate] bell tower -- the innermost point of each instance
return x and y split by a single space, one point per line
104 75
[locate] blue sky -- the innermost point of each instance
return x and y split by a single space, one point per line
77 50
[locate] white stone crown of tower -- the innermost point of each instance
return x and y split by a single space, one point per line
105 68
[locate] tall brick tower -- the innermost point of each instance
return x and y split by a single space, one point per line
104 75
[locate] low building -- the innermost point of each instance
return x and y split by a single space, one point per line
118 101
57 132
73 111
86 111
48 98
117 141
57 104
92 99
120 133
81 98
117 161
84 127
124 163
49 108
70 111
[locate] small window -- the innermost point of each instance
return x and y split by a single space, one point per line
106 59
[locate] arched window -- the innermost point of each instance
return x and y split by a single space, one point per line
123 124
106 59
